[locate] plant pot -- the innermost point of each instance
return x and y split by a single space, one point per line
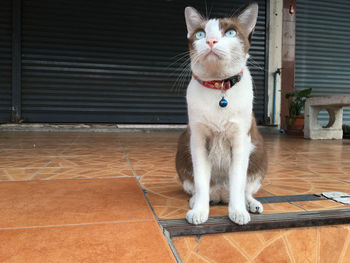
297 128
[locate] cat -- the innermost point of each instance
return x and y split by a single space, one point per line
221 155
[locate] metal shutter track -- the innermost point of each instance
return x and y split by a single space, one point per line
5 59
112 61
322 43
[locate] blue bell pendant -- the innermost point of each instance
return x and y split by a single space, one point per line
223 103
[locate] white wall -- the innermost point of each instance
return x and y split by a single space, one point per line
275 57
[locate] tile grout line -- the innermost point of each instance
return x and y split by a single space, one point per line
318 248
289 250
235 245
325 176
346 245
167 238
127 158
42 168
163 182
58 155
298 206
83 224
70 179
288 202
86 178
267 191
8 176
269 242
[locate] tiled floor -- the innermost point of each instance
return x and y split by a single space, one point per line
318 244
75 197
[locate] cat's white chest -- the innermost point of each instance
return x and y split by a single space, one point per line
203 105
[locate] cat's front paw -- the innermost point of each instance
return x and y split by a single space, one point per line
197 216
254 206
239 216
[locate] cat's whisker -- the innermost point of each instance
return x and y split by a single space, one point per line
185 79
177 85
183 63
179 69
198 56
186 71
184 67
185 52
220 52
211 8
252 66
255 64
206 9
180 60
182 74
234 12
185 56
180 56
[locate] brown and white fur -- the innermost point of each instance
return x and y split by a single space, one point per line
221 155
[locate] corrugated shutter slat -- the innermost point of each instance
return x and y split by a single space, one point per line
5 59
322 56
113 61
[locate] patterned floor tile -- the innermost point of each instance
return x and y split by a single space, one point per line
17 174
318 244
296 166
320 205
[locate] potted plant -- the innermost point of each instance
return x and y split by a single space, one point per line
295 125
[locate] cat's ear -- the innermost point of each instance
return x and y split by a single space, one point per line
247 17
193 20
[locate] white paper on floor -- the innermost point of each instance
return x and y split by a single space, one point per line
338 197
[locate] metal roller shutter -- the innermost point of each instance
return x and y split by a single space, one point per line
5 59
113 61
322 49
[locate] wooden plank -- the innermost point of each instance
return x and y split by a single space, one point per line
290 198
180 227
282 199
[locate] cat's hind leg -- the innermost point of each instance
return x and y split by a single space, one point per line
253 205
189 189
216 194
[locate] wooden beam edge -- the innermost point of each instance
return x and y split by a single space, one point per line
180 227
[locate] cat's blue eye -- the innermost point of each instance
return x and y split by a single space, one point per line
230 33
200 34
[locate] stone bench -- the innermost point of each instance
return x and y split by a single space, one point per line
334 105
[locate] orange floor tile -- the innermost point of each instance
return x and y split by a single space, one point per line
62 202
329 244
75 197
118 242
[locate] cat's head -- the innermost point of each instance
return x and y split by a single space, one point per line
219 47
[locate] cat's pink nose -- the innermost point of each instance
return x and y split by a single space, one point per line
211 42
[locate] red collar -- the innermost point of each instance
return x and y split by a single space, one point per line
220 84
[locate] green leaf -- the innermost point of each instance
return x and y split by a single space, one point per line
298 103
